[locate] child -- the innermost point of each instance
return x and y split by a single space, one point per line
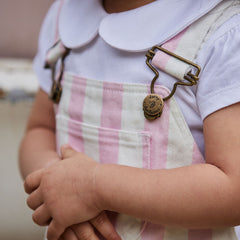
162 163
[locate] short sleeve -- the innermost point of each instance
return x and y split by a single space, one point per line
219 84
47 37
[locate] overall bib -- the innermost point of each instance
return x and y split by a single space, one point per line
105 120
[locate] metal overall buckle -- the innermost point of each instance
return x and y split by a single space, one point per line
56 90
153 103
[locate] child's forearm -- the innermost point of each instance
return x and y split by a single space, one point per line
38 147
38 150
198 196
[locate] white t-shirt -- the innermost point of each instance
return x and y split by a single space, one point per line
112 47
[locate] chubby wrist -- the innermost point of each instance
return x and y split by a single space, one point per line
100 187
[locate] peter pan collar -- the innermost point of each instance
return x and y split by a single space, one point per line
135 30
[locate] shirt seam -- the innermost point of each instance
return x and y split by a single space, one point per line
235 27
220 91
212 97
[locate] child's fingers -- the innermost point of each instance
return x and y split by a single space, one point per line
84 231
33 180
41 216
55 230
35 199
69 235
105 227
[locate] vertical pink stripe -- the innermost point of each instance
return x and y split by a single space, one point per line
200 234
158 157
75 111
76 104
197 157
110 118
161 59
159 141
112 106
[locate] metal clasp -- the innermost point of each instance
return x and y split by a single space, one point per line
56 90
191 77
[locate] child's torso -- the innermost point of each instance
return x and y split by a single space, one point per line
104 63
101 114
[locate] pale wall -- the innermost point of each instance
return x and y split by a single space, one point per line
15 216
20 22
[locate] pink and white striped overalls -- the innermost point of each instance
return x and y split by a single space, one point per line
105 121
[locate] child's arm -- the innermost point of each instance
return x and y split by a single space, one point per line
197 196
38 150
38 147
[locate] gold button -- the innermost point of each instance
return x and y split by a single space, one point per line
152 106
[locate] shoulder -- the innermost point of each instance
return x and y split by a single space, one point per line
49 29
232 26
219 83
47 37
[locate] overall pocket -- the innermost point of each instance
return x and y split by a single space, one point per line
110 146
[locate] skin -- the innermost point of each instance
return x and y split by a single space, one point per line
38 147
113 6
38 151
207 196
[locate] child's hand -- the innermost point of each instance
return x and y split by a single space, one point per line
64 193
85 231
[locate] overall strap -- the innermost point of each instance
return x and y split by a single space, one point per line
56 52
170 56
186 44
176 56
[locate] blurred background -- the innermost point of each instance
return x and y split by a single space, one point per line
20 22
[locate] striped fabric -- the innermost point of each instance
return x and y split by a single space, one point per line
105 121
187 43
